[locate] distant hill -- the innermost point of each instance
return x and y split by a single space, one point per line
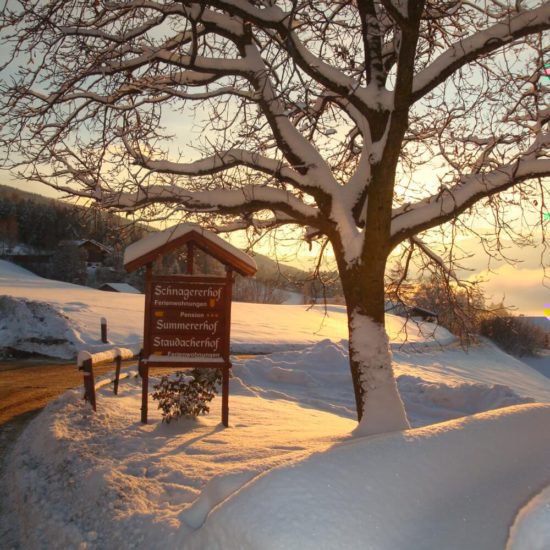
81 225
40 223
13 193
541 322
37 224
272 269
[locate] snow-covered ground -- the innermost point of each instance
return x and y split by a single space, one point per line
287 473
55 318
454 486
540 362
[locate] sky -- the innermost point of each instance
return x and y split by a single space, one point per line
522 286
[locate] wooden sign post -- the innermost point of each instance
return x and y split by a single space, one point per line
187 317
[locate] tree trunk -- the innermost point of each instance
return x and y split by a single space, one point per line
379 406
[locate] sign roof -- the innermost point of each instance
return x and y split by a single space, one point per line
146 250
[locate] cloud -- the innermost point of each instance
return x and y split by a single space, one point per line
518 287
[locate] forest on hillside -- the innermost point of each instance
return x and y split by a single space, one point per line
41 223
41 234
35 226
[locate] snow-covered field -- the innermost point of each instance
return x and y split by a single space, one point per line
287 473
54 318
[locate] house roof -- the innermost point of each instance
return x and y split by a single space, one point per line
81 242
146 250
423 311
121 287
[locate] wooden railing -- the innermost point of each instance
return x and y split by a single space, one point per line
86 362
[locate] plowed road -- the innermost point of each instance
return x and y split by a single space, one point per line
27 386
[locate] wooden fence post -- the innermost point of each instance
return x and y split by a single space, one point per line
225 394
89 382
144 373
117 372
104 330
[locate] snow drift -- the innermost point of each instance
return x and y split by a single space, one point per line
454 485
531 529
319 377
36 327
104 481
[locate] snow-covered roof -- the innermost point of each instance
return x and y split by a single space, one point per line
81 242
400 308
423 311
121 287
150 247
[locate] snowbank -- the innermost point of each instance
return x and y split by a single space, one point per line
106 481
540 362
285 474
454 485
531 529
36 327
432 390
484 363
80 308
429 402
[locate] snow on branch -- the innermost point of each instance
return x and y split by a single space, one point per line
250 198
119 38
409 220
211 94
220 66
160 88
296 148
482 42
220 162
284 24
246 222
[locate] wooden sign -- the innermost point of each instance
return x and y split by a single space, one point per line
188 317
187 324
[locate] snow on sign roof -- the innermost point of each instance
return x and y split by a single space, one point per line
149 248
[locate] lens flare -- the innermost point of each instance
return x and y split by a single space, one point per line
547 311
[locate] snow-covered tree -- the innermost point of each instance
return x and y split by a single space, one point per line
368 122
68 263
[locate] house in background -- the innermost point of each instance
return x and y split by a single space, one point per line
96 252
119 287
404 310
424 314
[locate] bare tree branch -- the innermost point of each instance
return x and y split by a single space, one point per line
449 203
479 44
